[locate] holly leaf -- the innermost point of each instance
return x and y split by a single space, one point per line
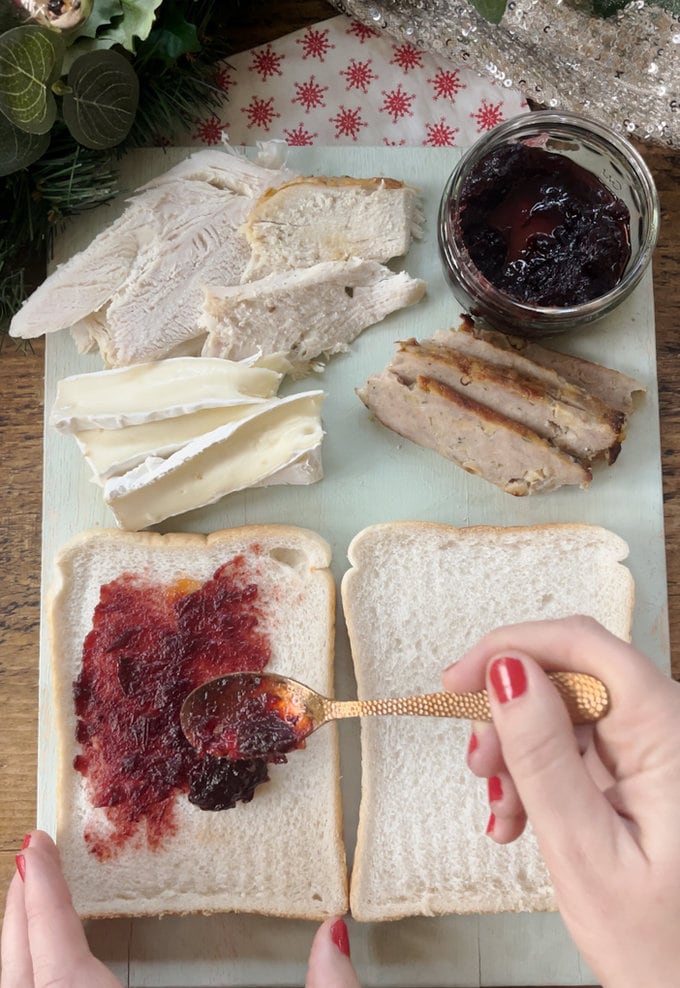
30 61
171 36
101 15
136 22
18 149
491 10
100 107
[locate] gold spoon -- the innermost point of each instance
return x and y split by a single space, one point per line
250 715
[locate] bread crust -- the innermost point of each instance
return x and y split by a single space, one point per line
295 564
423 851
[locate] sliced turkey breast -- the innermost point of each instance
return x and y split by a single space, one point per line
481 441
136 290
330 219
229 171
555 409
304 313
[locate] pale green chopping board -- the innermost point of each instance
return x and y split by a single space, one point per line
371 475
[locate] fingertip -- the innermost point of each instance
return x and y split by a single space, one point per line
507 678
329 959
15 955
340 936
484 756
504 830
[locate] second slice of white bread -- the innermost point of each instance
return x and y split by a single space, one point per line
282 853
417 596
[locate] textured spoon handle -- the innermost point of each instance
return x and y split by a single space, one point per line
585 697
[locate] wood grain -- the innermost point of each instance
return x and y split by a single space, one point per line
21 418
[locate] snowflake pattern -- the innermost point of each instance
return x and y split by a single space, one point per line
440 134
446 84
397 103
362 31
315 44
407 57
266 62
488 115
344 82
260 112
299 137
310 94
223 78
359 75
209 131
348 122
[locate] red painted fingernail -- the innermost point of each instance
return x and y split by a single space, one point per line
491 824
495 789
508 678
340 936
21 866
474 744
26 841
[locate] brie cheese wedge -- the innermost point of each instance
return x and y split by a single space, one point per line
230 458
113 399
112 452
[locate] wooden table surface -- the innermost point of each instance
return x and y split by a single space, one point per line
21 425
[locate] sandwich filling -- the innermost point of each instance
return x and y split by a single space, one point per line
150 645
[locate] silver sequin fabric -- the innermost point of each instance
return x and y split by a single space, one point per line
623 70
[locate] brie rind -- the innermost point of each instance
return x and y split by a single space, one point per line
112 452
230 458
112 399
307 469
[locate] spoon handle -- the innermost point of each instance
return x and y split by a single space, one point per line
585 697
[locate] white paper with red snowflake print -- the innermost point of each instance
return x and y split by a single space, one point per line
342 82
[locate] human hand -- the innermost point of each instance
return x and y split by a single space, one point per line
43 942
603 801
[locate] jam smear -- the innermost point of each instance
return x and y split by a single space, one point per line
150 645
541 228
249 717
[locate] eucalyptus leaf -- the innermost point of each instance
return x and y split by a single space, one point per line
30 61
491 10
100 109
74 52
18 149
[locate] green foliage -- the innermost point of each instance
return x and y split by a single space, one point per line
605 8
136 22
171 37
491 10
109 98
19 149
30 61
100 104
102 14
34 203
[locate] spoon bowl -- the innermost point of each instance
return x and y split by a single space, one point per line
262 715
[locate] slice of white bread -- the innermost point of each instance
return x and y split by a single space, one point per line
417 596
280 854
